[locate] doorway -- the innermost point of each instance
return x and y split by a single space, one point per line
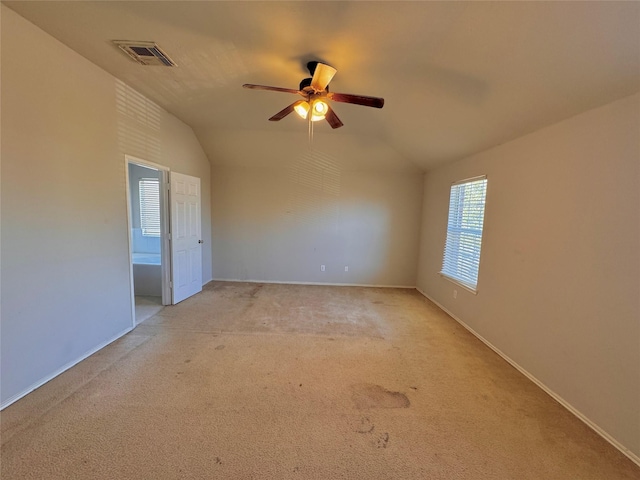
147 192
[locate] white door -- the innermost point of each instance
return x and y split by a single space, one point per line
186 238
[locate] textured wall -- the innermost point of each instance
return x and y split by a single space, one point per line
283 224
559 283
66 127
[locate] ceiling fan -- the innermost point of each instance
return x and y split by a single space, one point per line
315 93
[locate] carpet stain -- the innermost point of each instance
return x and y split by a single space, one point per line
382 441
378 302
365 425
254 291
220 347
367 395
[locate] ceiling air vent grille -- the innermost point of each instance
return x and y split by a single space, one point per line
145 53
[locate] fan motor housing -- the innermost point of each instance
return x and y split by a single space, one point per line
307 83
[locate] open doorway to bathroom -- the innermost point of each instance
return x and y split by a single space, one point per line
148 237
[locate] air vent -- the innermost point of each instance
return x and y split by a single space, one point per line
145 53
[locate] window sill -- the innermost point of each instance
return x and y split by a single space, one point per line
459 283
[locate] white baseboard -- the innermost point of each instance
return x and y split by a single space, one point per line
628 453
313 283
63 369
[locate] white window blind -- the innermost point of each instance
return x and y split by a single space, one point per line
464 232
150 206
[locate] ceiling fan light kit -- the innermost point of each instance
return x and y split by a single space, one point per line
318 108
302 108
315 91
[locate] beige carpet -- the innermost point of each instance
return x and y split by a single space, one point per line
250 381
147 307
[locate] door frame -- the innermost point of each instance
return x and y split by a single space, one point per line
165 229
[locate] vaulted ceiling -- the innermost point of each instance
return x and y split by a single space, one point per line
457 77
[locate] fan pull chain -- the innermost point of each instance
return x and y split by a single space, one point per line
310 131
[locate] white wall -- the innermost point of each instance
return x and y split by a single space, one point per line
559 284
66 126
281 224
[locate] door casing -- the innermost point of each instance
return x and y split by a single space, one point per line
165 246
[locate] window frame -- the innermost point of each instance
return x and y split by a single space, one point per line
144 207
462 281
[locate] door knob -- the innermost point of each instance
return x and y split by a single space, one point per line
200 241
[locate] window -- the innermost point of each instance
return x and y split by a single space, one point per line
464 232
149 206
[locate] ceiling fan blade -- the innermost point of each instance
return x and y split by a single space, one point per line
322 76
333 119
273 89
284 112
356 99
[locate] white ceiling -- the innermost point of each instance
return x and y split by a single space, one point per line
457 77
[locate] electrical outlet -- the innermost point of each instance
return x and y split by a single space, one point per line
346 268
455 294
322 268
